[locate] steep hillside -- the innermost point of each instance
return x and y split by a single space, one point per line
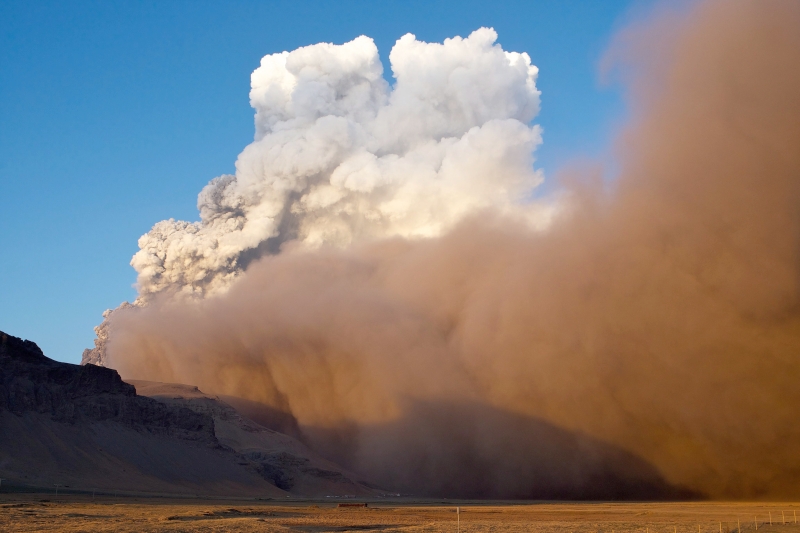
278 457
83 427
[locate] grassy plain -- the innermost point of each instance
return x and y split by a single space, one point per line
28 512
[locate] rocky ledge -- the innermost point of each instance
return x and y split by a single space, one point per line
32 382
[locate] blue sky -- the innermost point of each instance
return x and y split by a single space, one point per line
113 115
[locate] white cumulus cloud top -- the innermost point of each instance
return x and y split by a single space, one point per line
340 156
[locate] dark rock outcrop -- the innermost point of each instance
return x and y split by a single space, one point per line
31 382
82 426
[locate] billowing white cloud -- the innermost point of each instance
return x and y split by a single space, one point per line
340 156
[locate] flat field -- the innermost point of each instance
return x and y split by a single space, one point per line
39 512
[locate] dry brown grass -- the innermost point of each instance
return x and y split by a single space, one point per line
73 514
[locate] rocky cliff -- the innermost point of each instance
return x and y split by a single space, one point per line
282 459
31 382
82 426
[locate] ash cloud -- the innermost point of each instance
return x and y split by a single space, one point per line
647 338
340 156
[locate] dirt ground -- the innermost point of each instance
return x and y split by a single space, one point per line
39 512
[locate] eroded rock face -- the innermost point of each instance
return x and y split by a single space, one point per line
82 425
31 382
278 458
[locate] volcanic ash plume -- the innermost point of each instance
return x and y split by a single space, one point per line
642 344
339 156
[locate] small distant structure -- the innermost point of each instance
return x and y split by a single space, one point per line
352 504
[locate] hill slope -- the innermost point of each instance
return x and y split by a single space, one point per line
82 426
287 462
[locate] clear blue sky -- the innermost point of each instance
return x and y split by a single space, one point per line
113 115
